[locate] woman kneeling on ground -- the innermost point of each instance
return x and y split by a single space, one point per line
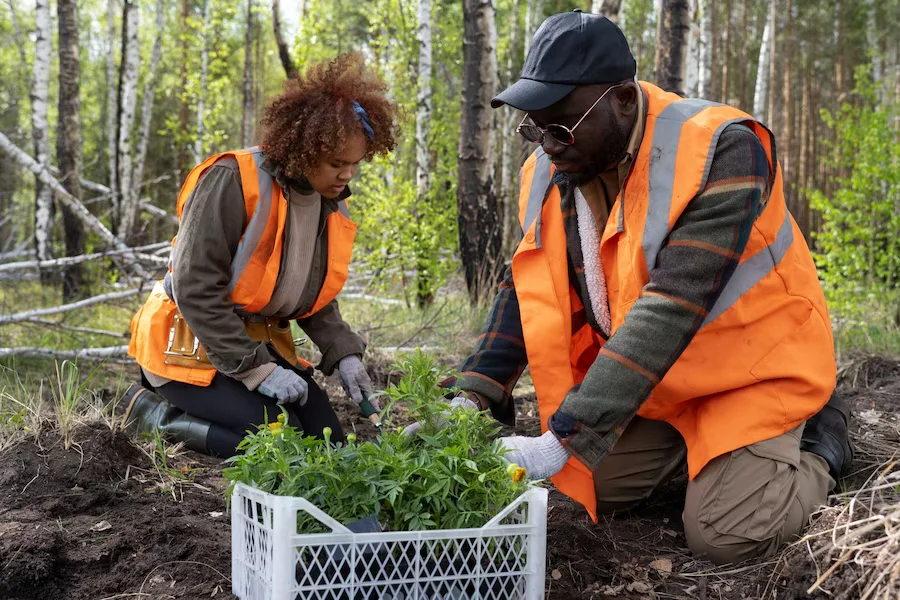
264 238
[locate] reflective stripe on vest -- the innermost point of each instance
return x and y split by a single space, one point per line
751 271
540 184
258 222
664 151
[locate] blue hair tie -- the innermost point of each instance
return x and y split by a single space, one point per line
363 117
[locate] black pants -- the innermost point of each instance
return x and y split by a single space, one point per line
232 410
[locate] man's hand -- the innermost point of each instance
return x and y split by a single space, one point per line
355 380
460 402
285 386
541 457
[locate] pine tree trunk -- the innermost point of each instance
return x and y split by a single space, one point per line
726 52
803 168
128 77
184 118
199 146
147 101
785 152
672 45
248 112
761 94
284 52
424 278
40 128
704 75
68 143
478 219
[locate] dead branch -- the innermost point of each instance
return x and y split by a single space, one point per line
72 328
40 312
74 260
82 354
78 209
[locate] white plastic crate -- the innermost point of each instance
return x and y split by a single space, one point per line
503 560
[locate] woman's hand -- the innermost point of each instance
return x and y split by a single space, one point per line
285 386
355 380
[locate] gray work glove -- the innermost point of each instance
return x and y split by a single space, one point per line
541 457
458 403
285 386
355 380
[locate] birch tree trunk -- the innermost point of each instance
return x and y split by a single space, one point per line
112 98
147 100
68 142
128 78
184 117
248 112
534 16
284 52
704 69
40 128
478 219
513 145
201 97
611 9
726 52
785 152
423 101
874 47
671 45
693 55
761 95
773 61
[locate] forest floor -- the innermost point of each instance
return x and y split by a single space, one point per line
109 519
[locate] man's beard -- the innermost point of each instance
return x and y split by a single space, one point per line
609 155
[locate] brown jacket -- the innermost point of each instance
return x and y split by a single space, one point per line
211 228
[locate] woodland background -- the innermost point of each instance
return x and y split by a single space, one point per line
105 105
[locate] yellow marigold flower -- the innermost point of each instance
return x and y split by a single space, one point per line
516 473
276 428
281 418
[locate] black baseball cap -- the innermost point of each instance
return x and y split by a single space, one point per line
568 50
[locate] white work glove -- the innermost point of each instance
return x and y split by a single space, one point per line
541 457
355 380
285 386
460 402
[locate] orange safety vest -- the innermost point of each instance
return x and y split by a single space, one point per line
763 361
254 267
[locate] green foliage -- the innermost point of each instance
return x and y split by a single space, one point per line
450 475
859 242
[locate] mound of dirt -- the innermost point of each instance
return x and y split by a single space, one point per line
97 520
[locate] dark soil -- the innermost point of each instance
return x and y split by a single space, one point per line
98 521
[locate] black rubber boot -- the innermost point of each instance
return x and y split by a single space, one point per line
146 412
826 434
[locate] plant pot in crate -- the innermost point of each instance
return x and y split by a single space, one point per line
503 560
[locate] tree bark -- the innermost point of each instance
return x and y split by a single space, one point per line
248 112
128 77
284 52
478 218
534 16
40 128
514 147
199 146
704 76
68 142
611 9
184 117
785 153
147 100
773 62
672 45
745 58
112 97
761 94
423 100
726 52
693 53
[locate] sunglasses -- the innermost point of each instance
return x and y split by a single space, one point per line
560 133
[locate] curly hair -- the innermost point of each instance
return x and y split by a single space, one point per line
314 116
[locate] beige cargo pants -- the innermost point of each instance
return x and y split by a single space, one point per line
741 505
